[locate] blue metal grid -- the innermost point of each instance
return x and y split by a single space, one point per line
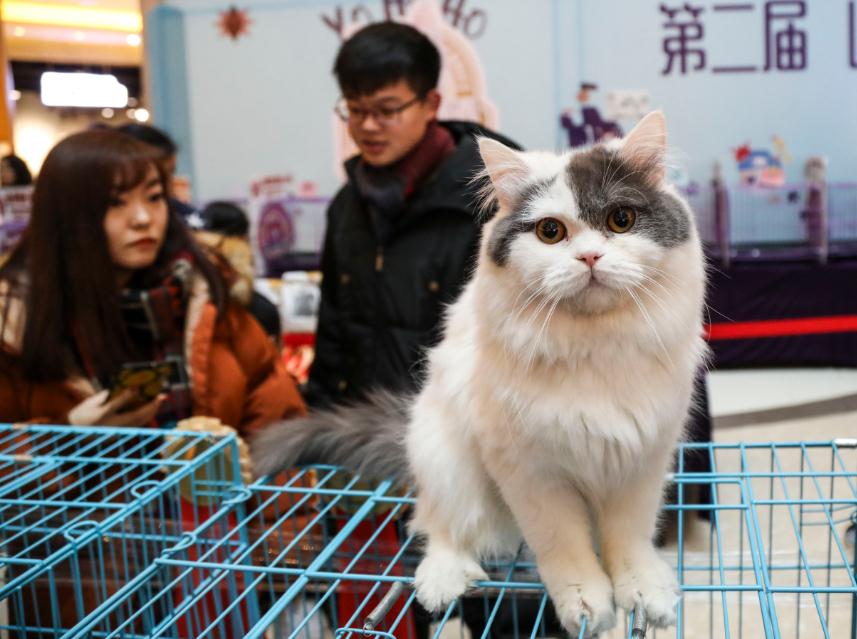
326 556
83 509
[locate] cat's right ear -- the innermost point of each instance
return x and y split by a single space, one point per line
645 147
506 169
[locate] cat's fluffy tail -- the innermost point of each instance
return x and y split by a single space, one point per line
368 438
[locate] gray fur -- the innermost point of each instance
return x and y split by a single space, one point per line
514 224
602 181
368 438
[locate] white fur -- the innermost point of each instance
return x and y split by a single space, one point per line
552 409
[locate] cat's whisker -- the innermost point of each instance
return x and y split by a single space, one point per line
648 319
668 277
540 289
536 343
672 279
615 190
709 266
534 315
648 279
670 313
607 170
724 316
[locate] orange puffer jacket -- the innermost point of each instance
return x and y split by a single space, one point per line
236 373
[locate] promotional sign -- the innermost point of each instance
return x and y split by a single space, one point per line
15 205
286 228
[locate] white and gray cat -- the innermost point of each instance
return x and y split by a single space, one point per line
553 405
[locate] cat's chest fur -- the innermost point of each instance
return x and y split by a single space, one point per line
586 416
587 405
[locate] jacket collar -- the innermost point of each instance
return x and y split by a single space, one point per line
451 186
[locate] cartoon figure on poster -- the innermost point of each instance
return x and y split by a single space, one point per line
287 220
587 126
461 84
761 167
275 235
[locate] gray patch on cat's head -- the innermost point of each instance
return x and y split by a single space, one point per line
603 181
514 224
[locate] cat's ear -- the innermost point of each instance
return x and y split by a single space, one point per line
506 169
645 147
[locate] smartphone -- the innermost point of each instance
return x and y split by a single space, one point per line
146 379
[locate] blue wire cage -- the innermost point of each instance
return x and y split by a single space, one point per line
165 543
82 510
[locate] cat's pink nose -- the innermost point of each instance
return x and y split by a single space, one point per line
589 258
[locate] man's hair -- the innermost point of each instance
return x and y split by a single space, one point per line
151 136
384 53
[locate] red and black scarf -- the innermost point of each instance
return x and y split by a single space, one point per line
386 189
155 322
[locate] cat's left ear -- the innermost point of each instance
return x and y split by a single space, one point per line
506 169
645 147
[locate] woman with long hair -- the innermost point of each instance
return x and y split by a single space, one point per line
14 171
107 277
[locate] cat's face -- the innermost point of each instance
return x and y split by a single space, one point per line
590 230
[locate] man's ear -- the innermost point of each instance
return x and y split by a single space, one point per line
433 101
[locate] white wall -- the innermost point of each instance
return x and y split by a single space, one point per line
263 104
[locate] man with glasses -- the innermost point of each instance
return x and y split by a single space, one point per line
403 232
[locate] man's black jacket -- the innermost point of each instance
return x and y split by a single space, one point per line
382 302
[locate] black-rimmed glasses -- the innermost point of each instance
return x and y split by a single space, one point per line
383 115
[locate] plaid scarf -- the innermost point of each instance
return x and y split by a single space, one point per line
155 320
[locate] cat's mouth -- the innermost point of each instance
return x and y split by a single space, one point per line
594 282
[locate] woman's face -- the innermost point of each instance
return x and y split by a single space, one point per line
136 224
7 173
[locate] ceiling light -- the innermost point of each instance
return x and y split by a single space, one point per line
83 90
60 15
134 40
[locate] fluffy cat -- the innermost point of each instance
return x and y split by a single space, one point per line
553 405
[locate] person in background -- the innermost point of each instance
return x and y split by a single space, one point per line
107 275
14 172
402 233
168 150
225 227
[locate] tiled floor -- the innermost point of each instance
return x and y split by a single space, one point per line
743 391
797 617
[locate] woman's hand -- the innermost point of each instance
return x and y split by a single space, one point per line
96 410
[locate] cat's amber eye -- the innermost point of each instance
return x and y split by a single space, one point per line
550 231
621 220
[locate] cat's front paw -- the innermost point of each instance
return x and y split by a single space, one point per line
591 601
652 584
441 578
